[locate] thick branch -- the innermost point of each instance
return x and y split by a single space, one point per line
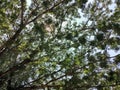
6 46
22 11
20 65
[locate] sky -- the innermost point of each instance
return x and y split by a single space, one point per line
28 2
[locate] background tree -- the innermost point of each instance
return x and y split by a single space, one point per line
59 44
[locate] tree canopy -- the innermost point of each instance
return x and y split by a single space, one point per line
59 44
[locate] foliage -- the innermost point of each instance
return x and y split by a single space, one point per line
59 45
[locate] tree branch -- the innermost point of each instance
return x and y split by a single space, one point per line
18 66
39 87
22 11
58 86
6 46
55 5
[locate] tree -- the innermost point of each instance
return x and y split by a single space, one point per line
59 44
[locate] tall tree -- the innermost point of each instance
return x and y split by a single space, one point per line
59 44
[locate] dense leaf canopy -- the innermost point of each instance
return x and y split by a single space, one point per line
59 44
